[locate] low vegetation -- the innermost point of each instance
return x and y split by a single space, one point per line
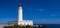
27 26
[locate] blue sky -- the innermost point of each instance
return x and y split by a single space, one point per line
40 11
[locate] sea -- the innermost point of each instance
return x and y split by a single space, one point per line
51 25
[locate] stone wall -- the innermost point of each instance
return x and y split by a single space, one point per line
1 26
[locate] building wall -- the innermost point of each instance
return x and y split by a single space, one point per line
26 22
23 22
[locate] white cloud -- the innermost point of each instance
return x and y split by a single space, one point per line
41 9
54 15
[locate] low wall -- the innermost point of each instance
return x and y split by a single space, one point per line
1 26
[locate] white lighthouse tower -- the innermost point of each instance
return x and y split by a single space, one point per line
20 18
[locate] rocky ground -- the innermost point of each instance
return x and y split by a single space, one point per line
27 26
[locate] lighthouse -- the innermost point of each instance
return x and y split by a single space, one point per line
20 17
20 20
